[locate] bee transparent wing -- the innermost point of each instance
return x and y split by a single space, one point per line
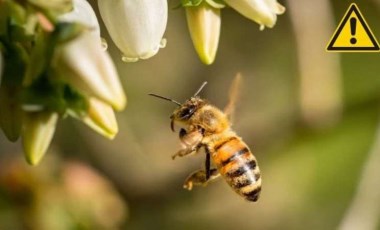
233 96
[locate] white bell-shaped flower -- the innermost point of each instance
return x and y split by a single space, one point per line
83 13
135 26
264 12
91 70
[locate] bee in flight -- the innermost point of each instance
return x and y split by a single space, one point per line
204 126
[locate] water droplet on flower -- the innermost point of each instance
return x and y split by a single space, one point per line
163 43
128 59
104 44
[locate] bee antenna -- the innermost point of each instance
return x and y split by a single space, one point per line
165 98
200 88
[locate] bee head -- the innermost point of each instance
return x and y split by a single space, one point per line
186 110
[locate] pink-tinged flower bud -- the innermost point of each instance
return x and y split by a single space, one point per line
90 69
37 133
204 26
135 26
264 12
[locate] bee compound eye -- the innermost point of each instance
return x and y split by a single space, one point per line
184 113
187 112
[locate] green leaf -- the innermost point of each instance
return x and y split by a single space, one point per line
53 6
45 47
42 93
10 112
19 34
55 95
39 57
15 61
75 101
67 31
17 12
11 15
3 19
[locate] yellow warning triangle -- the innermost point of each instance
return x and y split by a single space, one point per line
353 34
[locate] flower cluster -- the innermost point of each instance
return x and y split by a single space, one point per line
204 20
52 65
137 26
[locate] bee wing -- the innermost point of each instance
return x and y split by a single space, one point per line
233 96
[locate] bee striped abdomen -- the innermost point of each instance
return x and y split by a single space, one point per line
239 167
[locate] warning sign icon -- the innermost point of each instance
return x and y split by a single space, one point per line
353 34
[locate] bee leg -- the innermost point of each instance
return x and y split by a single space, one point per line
202 177
185 152
207 163
198 178
191 143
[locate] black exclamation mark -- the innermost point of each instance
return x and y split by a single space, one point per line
353 30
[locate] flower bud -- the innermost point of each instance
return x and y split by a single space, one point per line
264 12
83 13
90 69
135 26
10 112
100 118
1 66
37 133
57 6
204 26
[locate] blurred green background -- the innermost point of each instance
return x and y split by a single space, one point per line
309 116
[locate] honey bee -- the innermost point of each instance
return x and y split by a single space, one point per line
204 126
